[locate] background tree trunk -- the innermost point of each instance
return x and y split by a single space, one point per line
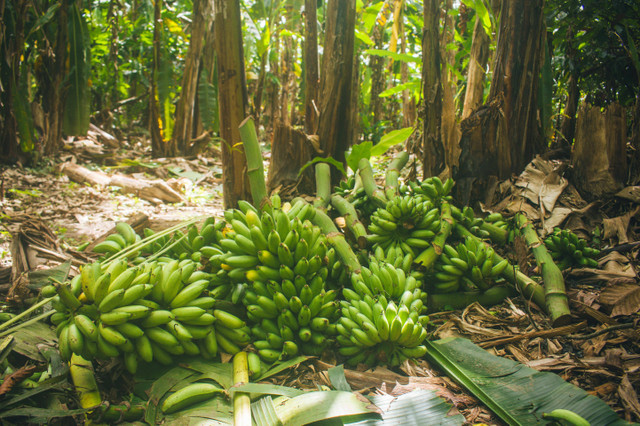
158 146
599 154
334 125
502 136
450 127
376 63
311 67
479 56
183 131
433 150
232 100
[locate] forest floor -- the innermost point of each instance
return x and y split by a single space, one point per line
52 215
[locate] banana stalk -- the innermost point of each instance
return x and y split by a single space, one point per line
528 287
337 240
460 300
555 294
369 183
393 172
496 234
431 254
255 167
347 210
241 400
323 185
85 382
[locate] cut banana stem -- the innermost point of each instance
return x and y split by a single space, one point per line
337 240
429 256
347 210
369 183
460 300
84 381
323 185
393 172
241 400
255 167
555 293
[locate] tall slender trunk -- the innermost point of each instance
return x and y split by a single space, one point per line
232 100
376 63
158 146
184 126
311 67
450 126
335 123
479 56
408 101
433 161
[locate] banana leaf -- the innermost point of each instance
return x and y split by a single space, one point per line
78 101
519 395
208 103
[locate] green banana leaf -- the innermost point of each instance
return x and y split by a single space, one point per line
519 395
208 103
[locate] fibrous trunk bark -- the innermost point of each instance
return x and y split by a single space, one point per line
290 150
450 127
311 67
158 146
478 58
183 131
376 64
335 121
433 150
502 136
599 153
232 100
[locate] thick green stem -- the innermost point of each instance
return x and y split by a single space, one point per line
255 167
241 400
347 210
496 234
369 183
528 287
431 254
460 300
25 313
323 185
337 240
555 295
393 172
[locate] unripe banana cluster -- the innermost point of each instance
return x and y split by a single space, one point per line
407 222
279 261
568 250
466 267
432 188
149 312
124 237
195 243
382 317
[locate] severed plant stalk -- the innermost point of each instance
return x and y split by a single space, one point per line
255 167
323 185
393 173
84 381
555 294
431 254
369 183
241 400
347 210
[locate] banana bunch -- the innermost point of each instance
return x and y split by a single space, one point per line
408 222
467 218
195 243
496 219
568 250
381 316
468 266
118 241
433 188
148 312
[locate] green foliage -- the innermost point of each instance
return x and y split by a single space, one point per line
77 105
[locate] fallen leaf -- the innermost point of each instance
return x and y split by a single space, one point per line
629 396
621 299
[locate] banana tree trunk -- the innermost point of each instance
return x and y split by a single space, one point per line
334 125
432 148
183 131
311 67
479 56
232 100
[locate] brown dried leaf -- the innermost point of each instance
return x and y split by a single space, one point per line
621 299
629 396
